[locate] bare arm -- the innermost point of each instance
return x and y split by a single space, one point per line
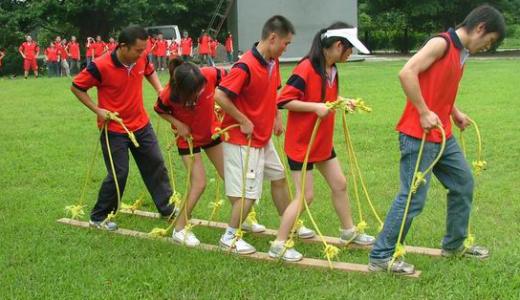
409 77
246 126
303 106
84 98
153 79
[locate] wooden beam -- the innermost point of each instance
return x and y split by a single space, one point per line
270 232
306 262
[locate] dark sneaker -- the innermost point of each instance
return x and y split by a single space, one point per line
399 267
477 252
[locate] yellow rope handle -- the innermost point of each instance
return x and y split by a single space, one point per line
478 166
415 183
240 233
218 202
219 132
114 116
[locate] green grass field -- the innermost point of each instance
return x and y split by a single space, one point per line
48 139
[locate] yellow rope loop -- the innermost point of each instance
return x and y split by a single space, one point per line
135 206
219 132
469 241
420 179
479 166
361 105
219 112
158 232
330 252
361 226
251 218
75 211
175 198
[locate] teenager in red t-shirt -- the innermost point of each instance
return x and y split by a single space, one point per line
213 44
229 47
173 50
119 80
111 45
159 53
187 103
75 56
29 50
51 57
2 55
248 97
186 46
313 83
204 48
99 47
89 50
64 55
430 80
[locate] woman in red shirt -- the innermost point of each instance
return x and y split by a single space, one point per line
51 57
187 104
313 83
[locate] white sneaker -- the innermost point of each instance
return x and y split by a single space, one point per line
305 233
290 254
240 247
253 226
353 236
185 238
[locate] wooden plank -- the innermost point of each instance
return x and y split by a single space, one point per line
270 232
305 262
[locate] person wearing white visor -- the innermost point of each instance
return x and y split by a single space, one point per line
348 33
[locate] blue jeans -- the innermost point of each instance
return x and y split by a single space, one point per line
453 172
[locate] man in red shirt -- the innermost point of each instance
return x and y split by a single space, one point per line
51 58
118 77
29 50
248 97
229 47
64 57
186 47
99 47
430 80
159 53
74 55
112 44
89 50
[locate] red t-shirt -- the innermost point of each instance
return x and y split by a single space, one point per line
204 42
439 85
160 48
111 46
29 49
149 45
61 51
305 85
52 54
213 48
229 44
119 89
201 119
74 50
252 84
1 57
186 45
99 48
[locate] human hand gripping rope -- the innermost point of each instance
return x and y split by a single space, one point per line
418 178
479 165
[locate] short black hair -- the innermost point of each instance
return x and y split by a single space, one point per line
279 25
492 18
131 34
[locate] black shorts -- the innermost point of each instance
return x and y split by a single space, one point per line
297 166
186 151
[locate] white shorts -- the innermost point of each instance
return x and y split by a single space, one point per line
264 163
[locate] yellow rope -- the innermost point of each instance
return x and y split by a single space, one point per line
219 132
418 179
478 166
114 116
112 214
76 211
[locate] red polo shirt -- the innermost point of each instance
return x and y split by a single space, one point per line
213 48
29 49
160 49
74 50
204 42
174 49
229 44
99 48
52 54
305 85
120 89
252 85
186 45
149 45
439 85
201 118
111 46
62 52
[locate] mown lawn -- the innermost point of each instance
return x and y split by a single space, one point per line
48 138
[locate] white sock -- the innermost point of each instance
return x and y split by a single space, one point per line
230 233
349 231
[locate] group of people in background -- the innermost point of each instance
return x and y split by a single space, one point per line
63 57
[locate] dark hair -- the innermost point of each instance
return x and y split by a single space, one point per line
279 25
316 55
186 81
493 21
131 34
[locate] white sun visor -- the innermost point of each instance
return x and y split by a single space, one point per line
350 34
